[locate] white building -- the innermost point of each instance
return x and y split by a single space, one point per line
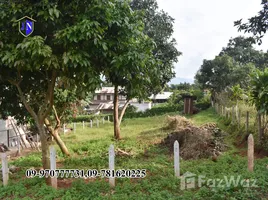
103 100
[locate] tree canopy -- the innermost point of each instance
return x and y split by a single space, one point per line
77 41
256 25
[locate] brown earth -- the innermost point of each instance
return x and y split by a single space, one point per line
195 141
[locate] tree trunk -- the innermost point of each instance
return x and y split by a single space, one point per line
45 142
123 112
260 129
55 134
61 144
116 121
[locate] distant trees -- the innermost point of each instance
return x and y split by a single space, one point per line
232 66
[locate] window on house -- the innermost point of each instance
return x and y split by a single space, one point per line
98 97
108 97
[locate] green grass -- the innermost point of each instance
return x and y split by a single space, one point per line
89 148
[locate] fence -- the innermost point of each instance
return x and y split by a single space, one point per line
244 119
90 124
111 162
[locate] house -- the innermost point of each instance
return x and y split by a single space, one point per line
161 97
103 101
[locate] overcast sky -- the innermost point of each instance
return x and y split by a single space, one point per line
202 28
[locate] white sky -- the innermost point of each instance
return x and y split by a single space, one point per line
202 28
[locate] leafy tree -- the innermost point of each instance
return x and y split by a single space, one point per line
159 27
259 93
222 72
257 24
74 40
181 86
242 51
237 92
149 59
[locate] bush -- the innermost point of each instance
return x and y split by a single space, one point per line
131 109
202 105
154 111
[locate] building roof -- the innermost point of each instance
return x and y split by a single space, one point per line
106 90
164 95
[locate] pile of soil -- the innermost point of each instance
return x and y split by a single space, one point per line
195 142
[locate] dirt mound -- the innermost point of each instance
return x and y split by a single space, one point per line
195 142
177 122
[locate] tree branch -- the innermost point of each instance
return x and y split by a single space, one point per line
56 117
24 101
123 111
50 96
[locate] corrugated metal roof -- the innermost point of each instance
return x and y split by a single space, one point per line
106 90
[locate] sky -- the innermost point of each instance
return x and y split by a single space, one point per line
202 28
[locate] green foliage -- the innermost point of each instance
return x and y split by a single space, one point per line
181 86
88 118
177 96
222 72
237 92
259 90
202 105
242 51
91 145
155 111
159 27
256 25
131 109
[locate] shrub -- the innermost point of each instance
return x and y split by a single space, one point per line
155 111
202 105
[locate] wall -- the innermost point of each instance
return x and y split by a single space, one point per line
4 125
142 106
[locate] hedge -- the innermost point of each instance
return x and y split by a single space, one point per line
155 111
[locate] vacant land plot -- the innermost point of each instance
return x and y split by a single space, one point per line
141 140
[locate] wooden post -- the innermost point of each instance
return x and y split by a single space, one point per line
83 124
250 153
239 118
8 138
53 166
103 120
236 113
108 118
177 158
260 128
97 123
247 122
265 117
111 164
5 170
90 123
233 115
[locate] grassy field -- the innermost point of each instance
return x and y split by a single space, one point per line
140 137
